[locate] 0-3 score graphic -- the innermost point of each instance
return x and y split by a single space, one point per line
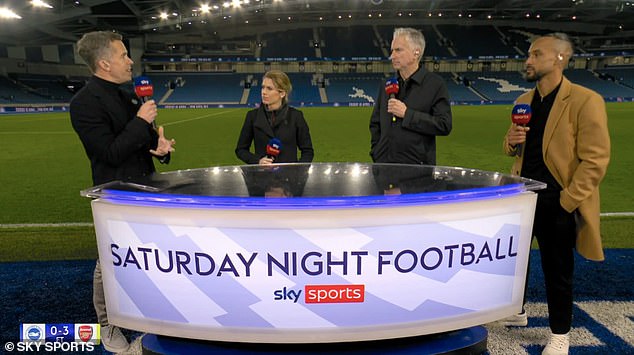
63 337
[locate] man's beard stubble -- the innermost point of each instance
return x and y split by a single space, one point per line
533 78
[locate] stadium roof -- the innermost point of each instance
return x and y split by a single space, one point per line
67 20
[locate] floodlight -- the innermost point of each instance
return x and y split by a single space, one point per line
40 3
5 12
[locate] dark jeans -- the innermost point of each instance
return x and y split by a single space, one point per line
555 230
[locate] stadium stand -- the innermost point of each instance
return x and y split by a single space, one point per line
359 88
291 43
255 83
497 86
520 37
332 71
338 40
488 43
609 46
606 88
13 92
217 88
622 76
458 92
52 88
305 90
163 82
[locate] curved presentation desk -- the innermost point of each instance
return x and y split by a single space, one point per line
313 253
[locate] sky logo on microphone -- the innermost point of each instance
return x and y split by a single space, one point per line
143 87
391 87
273 148
521 114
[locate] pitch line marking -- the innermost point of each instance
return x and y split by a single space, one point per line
45 225
617 214
194 118
37 132
164 124
87 224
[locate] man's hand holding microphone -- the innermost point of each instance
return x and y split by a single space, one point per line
394 106
516 135
148 111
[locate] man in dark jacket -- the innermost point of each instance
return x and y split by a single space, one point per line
404 128
117 133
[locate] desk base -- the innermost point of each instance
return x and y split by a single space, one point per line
464 341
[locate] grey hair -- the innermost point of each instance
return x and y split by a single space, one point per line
94 46
413 36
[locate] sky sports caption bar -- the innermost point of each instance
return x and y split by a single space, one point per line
62 337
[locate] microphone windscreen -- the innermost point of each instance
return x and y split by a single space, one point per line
143 87
274 147
521 114
391 87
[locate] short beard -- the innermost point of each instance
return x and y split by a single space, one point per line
531 79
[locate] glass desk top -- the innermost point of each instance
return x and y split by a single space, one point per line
312 185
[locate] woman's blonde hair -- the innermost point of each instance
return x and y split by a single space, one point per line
281 82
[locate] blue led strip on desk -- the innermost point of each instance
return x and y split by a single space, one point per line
327 202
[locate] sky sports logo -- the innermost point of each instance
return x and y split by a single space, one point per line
320 294
334 293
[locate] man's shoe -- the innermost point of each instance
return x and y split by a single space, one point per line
517 320
557 345
113 340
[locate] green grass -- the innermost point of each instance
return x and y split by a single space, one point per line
44 244
43 165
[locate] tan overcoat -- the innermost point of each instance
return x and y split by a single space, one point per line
576 150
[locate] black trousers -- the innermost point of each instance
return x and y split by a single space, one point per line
555 230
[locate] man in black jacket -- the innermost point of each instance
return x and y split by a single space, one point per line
404 128
117 133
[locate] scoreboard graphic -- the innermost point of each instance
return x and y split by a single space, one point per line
60 333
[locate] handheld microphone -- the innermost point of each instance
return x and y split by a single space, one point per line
144 90
391 89
273 148
521 115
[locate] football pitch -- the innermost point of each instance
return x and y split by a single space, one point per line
43 165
